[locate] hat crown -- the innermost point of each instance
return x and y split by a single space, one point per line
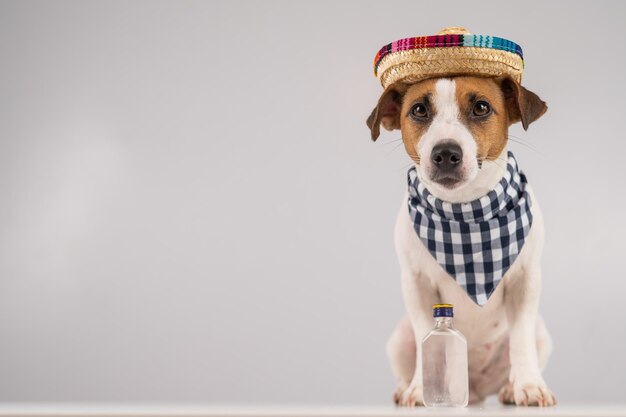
454 30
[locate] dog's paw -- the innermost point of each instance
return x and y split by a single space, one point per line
528 394
410 396
505 396
397 394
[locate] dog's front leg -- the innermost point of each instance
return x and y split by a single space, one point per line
521 298
419 296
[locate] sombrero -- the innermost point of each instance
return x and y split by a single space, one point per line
453 51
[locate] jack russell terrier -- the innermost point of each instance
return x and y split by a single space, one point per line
455 130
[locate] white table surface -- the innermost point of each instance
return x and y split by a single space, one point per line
200 410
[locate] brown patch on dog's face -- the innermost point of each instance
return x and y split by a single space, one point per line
487 106
483 110
412 126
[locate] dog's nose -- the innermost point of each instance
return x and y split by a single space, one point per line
447 155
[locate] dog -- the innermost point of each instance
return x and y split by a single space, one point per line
465 120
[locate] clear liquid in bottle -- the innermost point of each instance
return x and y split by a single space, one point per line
444 362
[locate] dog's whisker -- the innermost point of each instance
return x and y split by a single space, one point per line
405 167
483 159
391 141
516 137
513 139
394 148
397 146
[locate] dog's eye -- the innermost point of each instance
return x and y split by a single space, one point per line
481 108
419 111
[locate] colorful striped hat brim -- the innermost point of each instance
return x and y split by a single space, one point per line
453 51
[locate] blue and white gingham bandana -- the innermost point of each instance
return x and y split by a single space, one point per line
475 242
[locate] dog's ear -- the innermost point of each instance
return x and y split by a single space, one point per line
521 104
387 111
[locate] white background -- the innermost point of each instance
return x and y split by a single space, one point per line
191 208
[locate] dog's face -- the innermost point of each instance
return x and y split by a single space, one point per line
451 126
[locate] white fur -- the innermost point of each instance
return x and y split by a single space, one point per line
507 340
446 125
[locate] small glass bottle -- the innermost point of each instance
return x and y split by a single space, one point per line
444 362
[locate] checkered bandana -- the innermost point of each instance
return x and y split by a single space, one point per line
474 242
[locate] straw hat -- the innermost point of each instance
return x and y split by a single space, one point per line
453 51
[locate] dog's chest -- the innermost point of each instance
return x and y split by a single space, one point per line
478 323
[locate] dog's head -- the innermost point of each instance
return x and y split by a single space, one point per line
450 126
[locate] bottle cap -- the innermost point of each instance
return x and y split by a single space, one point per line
443 310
